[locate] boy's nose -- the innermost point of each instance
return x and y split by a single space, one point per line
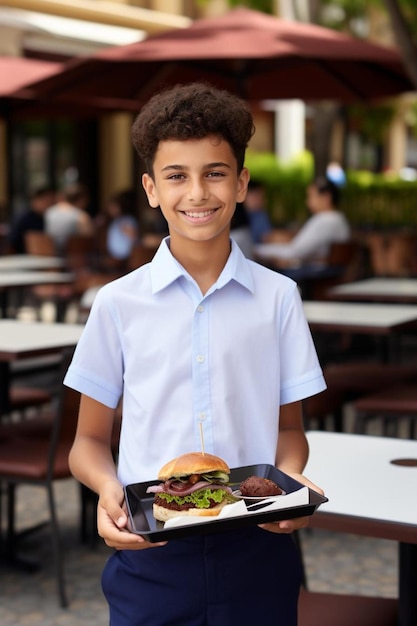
197 191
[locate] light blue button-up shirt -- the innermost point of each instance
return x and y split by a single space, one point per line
219 365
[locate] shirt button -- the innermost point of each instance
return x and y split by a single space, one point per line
200 308
202 417
200 358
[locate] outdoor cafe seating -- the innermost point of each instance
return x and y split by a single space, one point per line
35 452
331 609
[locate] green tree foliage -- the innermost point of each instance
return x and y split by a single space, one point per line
266 6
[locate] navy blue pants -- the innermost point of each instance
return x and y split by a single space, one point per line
243 578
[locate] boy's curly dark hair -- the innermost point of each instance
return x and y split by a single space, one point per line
192 111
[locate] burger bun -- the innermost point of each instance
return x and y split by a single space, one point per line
192 463
163 514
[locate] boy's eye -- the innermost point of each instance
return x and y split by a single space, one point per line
215 174
175 176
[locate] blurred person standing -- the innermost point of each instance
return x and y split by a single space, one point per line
32 219
69 215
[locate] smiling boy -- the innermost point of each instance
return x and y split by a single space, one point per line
199 338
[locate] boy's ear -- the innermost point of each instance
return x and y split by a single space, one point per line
150 190
242 185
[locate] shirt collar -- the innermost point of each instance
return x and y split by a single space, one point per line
165 269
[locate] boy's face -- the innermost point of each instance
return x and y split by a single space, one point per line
196 185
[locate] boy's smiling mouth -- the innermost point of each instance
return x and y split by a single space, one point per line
199 214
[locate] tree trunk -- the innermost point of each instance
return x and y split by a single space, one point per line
403 37
325 115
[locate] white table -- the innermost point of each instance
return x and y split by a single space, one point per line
377 289
20 340
26 278
384 320
17 262
371 496
370 318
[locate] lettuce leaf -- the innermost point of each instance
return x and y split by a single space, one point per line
212 477
200 499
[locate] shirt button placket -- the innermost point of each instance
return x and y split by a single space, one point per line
201 386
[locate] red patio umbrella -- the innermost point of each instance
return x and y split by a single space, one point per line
256 55
16 73
16 100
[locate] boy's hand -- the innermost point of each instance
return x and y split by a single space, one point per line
112 521
288 526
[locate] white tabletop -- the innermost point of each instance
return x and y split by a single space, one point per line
379 317
15 262
357 475
87 299
21 339
28 278
390 288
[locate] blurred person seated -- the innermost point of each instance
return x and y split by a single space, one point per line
308 250
122 224
255 207
69 216
240 231
336 174
32 219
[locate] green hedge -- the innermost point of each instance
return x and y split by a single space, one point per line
369 200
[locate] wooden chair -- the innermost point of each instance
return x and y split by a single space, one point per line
79 251
347 382
40 429
22 398
35 452
140 255
39 243
329 609
318 409
343 264
357 378
393 254
390 404
401 256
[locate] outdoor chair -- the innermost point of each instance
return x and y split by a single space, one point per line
392 254
23 398
140 255
79 252
35 452
357 378
392 404
323 407
342 265
331 609
350 382
39 243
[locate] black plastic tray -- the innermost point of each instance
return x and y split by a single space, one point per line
142 521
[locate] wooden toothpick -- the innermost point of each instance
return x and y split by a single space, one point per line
202 438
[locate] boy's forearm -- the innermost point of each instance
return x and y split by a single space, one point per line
100 467
292 451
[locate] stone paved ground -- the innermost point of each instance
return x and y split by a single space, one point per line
342 563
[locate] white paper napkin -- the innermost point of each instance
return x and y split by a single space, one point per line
237 509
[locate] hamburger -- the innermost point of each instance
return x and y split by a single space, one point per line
193 484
